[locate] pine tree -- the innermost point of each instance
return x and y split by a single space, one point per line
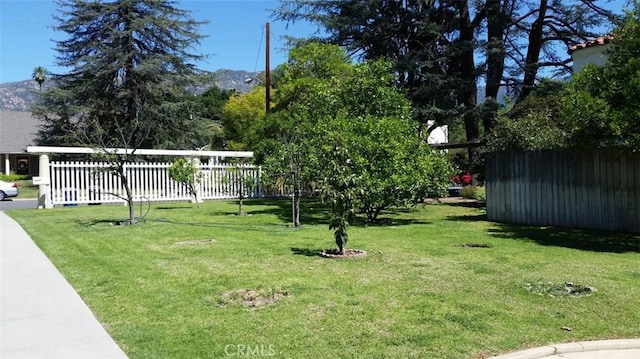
129 72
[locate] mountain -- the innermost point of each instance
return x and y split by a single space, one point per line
20 95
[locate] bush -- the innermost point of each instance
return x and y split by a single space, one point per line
14 177
469 192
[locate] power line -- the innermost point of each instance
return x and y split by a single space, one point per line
255 67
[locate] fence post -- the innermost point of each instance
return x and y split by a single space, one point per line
196 197
44 190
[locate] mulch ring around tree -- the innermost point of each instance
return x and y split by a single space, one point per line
333 253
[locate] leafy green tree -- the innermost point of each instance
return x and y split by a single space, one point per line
184 171
387 163
339 187
304 94
602 106
209 105
534 123
321 102
239 115
240 182
129 72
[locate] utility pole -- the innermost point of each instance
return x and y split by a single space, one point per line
267 72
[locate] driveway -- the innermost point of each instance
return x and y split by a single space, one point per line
18 203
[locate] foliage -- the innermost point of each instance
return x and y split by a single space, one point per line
127 82
239 114
13 177
306 92
209 105
39 75
339 187
186 172
441 49
532 131
602 106
400 170
469 192
241 182
324 100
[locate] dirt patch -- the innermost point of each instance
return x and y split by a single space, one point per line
333 253
253 298
475 245
560 289
195 242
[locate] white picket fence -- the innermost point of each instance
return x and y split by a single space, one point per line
74 182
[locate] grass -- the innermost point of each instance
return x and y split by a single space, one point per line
27 189
162 288
25 185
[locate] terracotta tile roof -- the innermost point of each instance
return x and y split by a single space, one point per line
602 40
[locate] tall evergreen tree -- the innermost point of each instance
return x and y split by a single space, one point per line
129 70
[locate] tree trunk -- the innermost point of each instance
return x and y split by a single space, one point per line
496 27
296 207
533 51
127 188
467 95
240 195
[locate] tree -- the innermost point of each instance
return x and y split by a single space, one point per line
184 171
325 101
128 79
239 115
434 46
339 188
602 105
39 75
304 94
240 182
209 106
549 28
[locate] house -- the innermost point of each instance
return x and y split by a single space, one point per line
18 129
592 51
440 135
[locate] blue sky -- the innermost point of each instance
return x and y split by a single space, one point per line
235 35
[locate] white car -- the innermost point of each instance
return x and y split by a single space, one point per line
8 189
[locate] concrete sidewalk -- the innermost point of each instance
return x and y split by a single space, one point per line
599 349
41 315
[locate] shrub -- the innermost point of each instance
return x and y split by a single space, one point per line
14 177
469 192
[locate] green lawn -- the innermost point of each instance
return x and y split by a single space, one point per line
165 288
27 189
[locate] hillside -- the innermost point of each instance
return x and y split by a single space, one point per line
20 95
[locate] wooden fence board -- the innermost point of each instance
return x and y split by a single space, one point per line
598 189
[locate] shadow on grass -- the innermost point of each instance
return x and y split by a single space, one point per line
314 212
466 204
102 221
307 252
582 239
272 228
468 218
176 207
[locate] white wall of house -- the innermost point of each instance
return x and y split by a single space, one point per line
593 54
438 135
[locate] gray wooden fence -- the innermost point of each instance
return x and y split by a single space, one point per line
597 189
